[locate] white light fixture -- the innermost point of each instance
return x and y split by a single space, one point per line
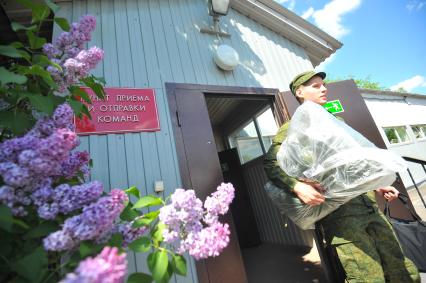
217 8
226 57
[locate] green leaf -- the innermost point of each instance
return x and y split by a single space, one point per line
100 80
85 249
160 266
133 191
140 222
17 121
141 245
96 87
179 265
147 201
76 106
151 215
80 93
8 77
146 219
10 51
42 103
40 12
116 240
41 60
150 260
63 23
168 274
17 44
55 8
41 230
36 42
6 219
45 75
32 265
128 214
27 3
17 26
139 277
158 232
85 110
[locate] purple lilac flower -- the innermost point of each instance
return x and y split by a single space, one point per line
184 230
182 216
209 242
107 267
14 175
10 149
63 116
95 219
43 195
48 211
59 240
129 233
218 203
29 164
68 52
77 161
70 198
51 50
90 57
58 145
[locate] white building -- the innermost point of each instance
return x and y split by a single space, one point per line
401 119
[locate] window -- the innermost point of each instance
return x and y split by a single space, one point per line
419 131
397 134
247 141
267 127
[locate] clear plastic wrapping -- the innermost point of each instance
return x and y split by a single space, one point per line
321 148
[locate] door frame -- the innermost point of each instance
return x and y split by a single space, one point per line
211 270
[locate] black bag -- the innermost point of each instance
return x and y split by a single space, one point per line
411 234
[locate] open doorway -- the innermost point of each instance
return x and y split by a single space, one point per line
272 248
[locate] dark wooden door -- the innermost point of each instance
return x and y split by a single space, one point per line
245 223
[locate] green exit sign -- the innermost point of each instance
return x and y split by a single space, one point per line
334 106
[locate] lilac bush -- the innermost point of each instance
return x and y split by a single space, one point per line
48 207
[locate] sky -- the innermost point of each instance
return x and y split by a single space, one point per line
383 40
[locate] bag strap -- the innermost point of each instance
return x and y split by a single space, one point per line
404 199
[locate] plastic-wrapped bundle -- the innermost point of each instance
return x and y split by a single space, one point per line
324 149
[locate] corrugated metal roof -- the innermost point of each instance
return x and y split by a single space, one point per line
318 44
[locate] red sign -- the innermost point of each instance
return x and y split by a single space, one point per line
123 110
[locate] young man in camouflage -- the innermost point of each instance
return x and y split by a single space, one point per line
364 240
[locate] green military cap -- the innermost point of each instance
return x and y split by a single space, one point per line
303 78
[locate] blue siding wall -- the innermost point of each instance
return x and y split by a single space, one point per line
150 42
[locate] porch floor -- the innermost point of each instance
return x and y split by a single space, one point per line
274 263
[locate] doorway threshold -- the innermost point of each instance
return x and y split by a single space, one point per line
274 263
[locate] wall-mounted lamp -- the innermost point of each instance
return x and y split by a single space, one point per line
226 57
217 8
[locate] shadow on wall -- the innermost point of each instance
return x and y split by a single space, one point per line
266 59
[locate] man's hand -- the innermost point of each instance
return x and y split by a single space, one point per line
389 193
309 193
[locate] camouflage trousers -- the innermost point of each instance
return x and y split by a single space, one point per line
368 249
